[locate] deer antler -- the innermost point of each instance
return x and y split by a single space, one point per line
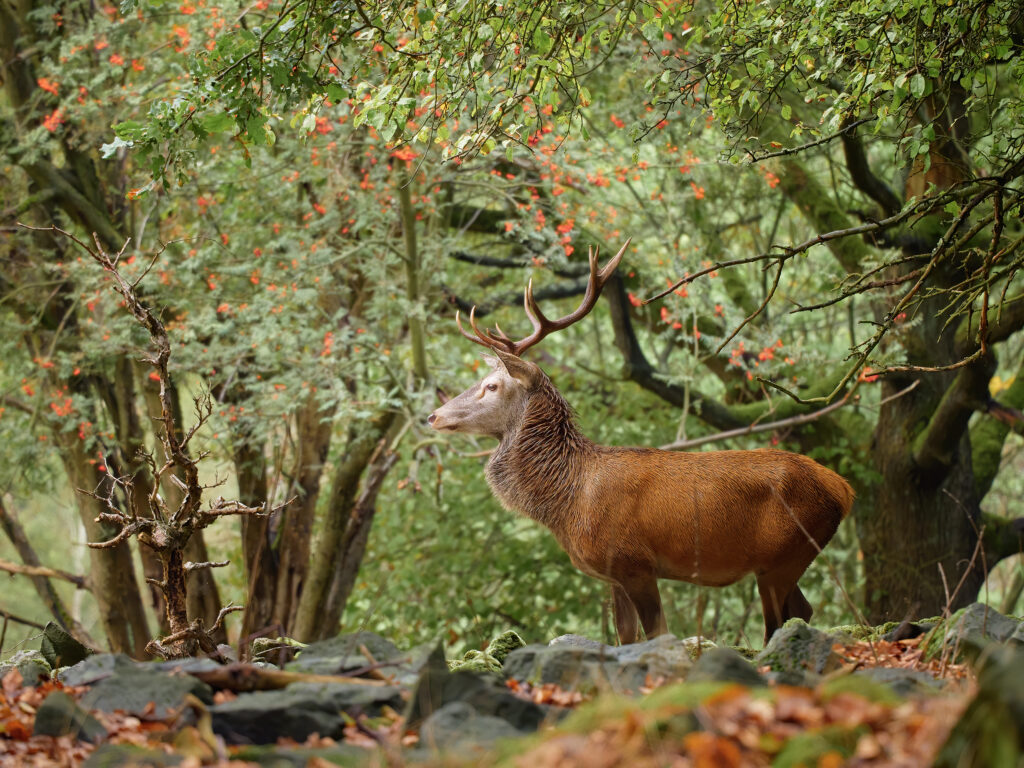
498 340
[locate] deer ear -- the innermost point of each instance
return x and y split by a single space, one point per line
524 372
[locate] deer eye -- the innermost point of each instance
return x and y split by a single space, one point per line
492 387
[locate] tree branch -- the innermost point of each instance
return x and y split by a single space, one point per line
860 171
792 421
1002 537
38 570
936 446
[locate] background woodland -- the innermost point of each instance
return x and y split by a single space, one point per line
824 203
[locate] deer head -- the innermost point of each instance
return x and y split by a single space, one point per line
493 405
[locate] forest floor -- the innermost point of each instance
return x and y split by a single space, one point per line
871 702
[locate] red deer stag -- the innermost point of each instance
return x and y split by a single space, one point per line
630 516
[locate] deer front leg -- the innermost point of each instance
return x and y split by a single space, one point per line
627 623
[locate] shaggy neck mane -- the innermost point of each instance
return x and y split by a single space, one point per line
536 469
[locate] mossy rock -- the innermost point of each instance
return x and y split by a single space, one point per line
862 631
275 650
797 653
32 665
971 631
504 644
60 649
476 661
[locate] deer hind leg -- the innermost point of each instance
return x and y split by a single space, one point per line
643 593
781 599
627 622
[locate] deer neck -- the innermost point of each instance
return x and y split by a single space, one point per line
538 467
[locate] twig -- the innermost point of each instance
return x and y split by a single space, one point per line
20 620
823 140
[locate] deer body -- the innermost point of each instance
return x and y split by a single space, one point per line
630 516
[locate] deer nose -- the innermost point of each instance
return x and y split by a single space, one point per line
431 418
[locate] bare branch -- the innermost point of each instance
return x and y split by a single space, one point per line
37 570
190 566
792 421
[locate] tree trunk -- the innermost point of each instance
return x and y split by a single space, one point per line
314 428
922 530
203 597
310 620
111 572
258 551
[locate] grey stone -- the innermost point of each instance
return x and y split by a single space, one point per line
301 709
31 664
579 641
132 690
59 715
798 654
578 663
342 654
458 726
437 687
95 668
724 665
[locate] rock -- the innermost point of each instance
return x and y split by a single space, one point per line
991 730
275 650
301 709
437 687
342 654
504 644
578 641
133 689
60 649
573 662
128 755
458 726
797 654
476 661
724 665
973 629
902 682
95 668
59 715
31 664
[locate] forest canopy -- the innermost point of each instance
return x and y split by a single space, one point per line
824 204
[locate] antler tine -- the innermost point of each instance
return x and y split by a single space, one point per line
605 273
500 335
484 338
542 326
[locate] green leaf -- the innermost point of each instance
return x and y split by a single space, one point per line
787 112
217 122
918 85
